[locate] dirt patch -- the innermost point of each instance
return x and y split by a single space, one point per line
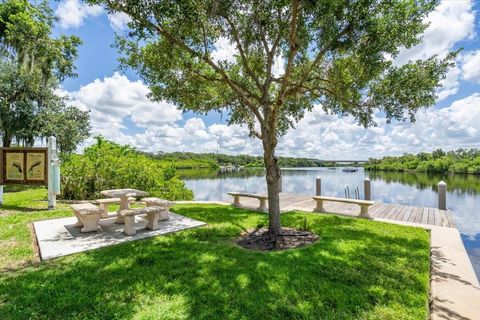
261 239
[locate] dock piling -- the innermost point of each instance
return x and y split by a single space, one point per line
367 189
318 191
442 195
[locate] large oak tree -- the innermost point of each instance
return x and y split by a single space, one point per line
335 53
32 65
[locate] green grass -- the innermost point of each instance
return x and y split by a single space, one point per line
359 269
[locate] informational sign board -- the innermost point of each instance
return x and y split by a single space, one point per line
23 166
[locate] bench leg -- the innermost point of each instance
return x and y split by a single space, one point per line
164 214
90 223
79 222
364 211
152 220
319 207
236 201
263 205
124 204
129 227
104 207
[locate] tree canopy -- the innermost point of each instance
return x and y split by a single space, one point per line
335 53
32 65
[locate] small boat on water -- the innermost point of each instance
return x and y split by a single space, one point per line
350 169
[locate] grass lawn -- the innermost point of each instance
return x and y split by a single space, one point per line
359 269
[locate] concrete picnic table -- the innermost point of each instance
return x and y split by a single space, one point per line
123 194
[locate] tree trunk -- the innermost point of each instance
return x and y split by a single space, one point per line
272 177
6 140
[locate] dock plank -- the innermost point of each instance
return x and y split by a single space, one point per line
387 209
424 218
451 222
431 216
408 213
418 215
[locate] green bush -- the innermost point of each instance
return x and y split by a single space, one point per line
107 165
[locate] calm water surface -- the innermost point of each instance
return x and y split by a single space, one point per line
419 189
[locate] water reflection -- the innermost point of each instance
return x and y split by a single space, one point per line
420 189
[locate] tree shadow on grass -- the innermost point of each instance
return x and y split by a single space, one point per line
6 207
352 272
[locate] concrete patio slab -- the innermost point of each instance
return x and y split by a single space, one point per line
58 237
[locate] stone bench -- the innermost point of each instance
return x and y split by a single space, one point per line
128 215
87 215
157 202
364 204
104 203
261 197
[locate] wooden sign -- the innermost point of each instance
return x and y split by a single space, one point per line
23 166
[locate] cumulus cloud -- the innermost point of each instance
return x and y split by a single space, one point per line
116 98
450 85
224 50
450 23
471 66
72 13
324 136
160 126
119 21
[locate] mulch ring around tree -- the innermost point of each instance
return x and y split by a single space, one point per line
261 239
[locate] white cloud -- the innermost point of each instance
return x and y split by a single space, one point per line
471 66
450 22
119 21
224 50
450 85
116 98
324 136
72 13
117 101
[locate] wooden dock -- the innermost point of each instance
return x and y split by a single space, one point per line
422 215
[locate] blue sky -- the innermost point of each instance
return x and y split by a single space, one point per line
121 111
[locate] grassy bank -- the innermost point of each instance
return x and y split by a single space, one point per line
359 269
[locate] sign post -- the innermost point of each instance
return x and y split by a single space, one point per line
53 173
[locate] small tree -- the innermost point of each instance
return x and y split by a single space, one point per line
70 125
334 53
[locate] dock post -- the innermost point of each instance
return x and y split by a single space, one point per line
442 195
367 189
318 191
280 184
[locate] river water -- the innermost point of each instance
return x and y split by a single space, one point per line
418 189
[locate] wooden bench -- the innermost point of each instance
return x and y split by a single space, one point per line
364 204
152 213
88 216
157 202
104 203
261 197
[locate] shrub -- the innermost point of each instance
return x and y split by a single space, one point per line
107 165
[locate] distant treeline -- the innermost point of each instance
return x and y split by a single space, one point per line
458 161
186 160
